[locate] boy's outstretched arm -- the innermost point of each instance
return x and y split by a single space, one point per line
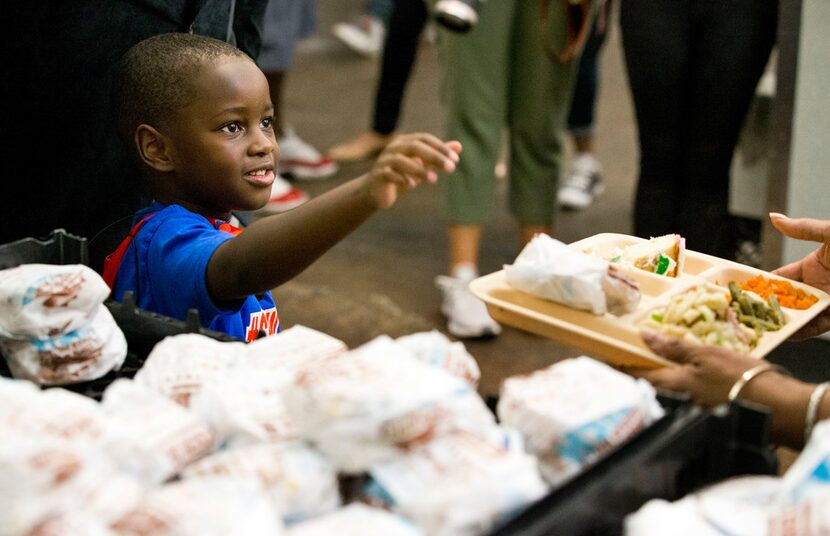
275 249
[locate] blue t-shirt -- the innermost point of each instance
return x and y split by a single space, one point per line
165 268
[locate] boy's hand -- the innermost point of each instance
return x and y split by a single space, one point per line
408 160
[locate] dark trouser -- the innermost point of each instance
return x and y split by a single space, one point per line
693 66
581 115
406 22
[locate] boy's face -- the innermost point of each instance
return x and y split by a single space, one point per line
223 145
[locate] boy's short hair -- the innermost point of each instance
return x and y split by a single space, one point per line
152 79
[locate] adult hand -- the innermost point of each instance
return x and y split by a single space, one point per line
814 269
707 373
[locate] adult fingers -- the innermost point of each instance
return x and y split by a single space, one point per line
802 228
791 271
673 348
817 326
666 378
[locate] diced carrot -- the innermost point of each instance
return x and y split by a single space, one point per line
788 295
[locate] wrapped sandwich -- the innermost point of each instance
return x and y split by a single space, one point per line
550 269
663 255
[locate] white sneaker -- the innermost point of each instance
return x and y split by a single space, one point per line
284 196
301 160
467 316
582 183
365 38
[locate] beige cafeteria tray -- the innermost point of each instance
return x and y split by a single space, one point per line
617 339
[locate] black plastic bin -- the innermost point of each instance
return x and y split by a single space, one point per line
142 329
684 451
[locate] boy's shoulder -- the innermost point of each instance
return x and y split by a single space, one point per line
170 221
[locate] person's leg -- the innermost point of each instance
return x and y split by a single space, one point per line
655 39
474 91
583 180
733 43
399 52
540 95
286 22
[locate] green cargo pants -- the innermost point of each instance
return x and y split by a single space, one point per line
497 77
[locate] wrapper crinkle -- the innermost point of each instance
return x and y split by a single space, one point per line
550 269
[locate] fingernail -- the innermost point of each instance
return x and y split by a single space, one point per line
778 215
449 166
454 156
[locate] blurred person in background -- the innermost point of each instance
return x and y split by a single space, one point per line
400 49
693 67
583 181
500 75
286 22
365 36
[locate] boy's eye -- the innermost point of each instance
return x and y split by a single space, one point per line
267 122
232 128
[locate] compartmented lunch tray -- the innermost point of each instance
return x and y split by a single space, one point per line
617 339
682 452
142 329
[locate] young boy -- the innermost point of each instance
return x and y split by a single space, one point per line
197 115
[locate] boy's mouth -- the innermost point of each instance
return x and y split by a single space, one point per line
263 176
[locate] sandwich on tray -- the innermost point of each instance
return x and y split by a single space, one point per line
663 255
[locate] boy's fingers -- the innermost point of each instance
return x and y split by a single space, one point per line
802 228
425 144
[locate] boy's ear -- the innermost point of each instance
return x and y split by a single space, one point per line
153 148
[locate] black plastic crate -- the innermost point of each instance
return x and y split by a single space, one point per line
684 451
142 329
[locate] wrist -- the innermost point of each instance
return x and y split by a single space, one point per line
750 378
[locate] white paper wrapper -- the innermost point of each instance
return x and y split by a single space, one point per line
71 523
207 506
52 413
79 355
797 503
295 347
460 484
246 406
574 411
357 520
550 269
43 300
299 482
179 366
434 348
362 407
48 478
157 437
736 507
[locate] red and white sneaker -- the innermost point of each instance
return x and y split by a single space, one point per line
284 196
301 160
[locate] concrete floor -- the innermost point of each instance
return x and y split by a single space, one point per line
380 279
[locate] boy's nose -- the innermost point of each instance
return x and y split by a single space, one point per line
263 144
